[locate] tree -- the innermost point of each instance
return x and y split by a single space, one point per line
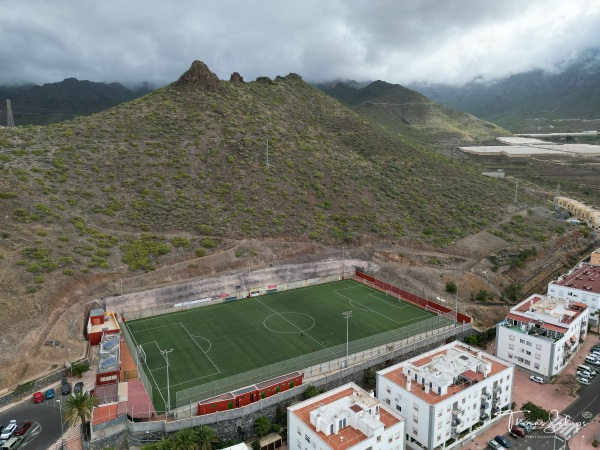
451 287
535 413
78 407
164 444
568 382
262 425
205 437
186 439
312 391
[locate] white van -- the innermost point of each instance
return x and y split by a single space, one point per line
588 369
592 360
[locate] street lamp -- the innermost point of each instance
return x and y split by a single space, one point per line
582 437
347 315
165 354
70 366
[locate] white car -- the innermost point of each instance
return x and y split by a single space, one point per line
536 379
494 445
584 381
9 430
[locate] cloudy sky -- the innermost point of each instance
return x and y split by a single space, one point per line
399 41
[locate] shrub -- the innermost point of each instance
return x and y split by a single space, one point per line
140 253
262 425
451 287
180 242
200 252
208 243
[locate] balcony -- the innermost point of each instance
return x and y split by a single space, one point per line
496 389
485 405
484 416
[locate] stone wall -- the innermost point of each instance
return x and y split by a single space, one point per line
26 390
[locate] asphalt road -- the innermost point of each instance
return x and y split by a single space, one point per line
581 411
45 422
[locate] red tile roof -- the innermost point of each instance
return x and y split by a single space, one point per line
586 278
549 326
519 318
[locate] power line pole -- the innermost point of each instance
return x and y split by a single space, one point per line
10 121
165 354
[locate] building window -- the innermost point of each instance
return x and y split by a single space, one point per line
522 341
299 443
299 432
538 356
415 431
538 346
388 401
307 438
511 346
378 438
511 337
399 408
439 424
536 365
510 355
416 419
415 406
388 390
529 343
440 413
528 353
464 400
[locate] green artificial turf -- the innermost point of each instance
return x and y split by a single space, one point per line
218 341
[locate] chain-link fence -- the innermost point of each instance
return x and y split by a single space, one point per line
321 361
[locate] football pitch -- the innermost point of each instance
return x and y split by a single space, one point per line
217 341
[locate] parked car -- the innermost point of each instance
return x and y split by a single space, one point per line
65 387
494 445
518 431
522 423
584 381
595 347
49 394
23 428
502 441
38 397
78 387
537 379
582 374
9 430
591 360
12 444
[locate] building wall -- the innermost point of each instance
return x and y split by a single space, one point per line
592 299
512 344
431 425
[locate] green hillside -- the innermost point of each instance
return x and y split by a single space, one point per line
414 115
191 160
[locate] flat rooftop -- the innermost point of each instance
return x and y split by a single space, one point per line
336 401
541 309
442 367
586 278
110 324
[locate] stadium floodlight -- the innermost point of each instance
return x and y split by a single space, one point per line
347 315
165 354
439 299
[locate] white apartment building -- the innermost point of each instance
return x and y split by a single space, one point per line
446 394
581 284
347 417
541 334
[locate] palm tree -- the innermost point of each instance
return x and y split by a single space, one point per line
186 439
164 444
78 407
205 438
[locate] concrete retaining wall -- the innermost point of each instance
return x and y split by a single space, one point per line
214 289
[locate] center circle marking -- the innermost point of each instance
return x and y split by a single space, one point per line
297 329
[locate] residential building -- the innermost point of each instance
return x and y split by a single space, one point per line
541 334
581 284
101 323
347 417
446 394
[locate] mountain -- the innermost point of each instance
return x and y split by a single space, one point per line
530 101
414 115
55 102
180 178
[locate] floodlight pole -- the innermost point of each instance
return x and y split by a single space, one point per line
165 354
347 315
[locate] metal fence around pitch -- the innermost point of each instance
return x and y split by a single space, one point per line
134 352
326 360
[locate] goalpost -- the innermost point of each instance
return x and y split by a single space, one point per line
141 353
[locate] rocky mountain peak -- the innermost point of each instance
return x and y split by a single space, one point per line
199 75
